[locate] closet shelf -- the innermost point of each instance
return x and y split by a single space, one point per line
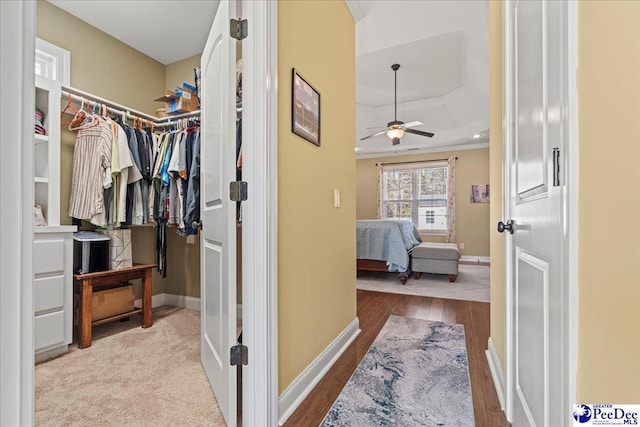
116 317
37 138
80 96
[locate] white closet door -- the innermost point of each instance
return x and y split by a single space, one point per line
218 235
536 136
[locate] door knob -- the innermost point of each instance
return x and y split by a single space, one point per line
508 226
196 225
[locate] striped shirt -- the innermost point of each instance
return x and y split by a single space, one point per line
91 171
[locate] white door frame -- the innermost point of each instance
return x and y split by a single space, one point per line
260 282
260 214
570 221
17 80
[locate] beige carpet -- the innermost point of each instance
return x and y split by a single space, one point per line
130 377
472 284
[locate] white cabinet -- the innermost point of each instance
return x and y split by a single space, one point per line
52 290
53 243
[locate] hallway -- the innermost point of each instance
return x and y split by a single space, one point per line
373 310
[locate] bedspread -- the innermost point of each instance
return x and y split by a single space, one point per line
386 240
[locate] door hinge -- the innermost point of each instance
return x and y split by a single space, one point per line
556 167
239 28
238 191
239 355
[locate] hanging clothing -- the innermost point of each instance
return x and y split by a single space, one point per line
192 213
176 191
144 150
127 176
91 171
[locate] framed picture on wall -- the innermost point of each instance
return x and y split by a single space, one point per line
479 194
305 109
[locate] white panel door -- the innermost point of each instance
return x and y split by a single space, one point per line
218 235
535 134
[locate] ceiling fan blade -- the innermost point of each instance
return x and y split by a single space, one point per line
419 132
374 134
413 124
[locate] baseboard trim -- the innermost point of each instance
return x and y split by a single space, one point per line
300 388
156 301
192 303
475 259
496 371
50 354
182 301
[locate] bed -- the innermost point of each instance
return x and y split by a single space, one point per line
386 245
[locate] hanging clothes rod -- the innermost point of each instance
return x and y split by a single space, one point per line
81 96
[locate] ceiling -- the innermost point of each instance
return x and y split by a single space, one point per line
441 46
443 80
147 25
430 67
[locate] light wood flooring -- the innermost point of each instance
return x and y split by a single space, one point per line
373 310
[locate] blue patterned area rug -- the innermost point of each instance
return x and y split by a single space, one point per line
414 374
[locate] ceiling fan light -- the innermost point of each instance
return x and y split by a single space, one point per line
395 133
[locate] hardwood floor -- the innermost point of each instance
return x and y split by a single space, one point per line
373 310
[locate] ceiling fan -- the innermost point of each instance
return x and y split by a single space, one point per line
396 128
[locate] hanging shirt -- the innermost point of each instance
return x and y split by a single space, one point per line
129 174
192 213
134 202
175 187
91 171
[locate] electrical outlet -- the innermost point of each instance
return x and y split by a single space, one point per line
461 245
336 198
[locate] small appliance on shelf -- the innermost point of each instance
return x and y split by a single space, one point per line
90 252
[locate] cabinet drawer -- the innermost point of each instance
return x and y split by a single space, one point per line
49 330
48 256
48 293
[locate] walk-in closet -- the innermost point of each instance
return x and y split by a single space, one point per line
120 244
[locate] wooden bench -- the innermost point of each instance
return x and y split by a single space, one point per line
83 286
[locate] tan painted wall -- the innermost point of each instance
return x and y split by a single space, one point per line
609 201
101 64
181 71
316 290
495 161
472 219
106 67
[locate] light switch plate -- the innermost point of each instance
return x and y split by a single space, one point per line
336 198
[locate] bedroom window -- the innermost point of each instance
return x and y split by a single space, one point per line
416 192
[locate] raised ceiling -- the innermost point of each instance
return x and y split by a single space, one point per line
430 67
443 81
